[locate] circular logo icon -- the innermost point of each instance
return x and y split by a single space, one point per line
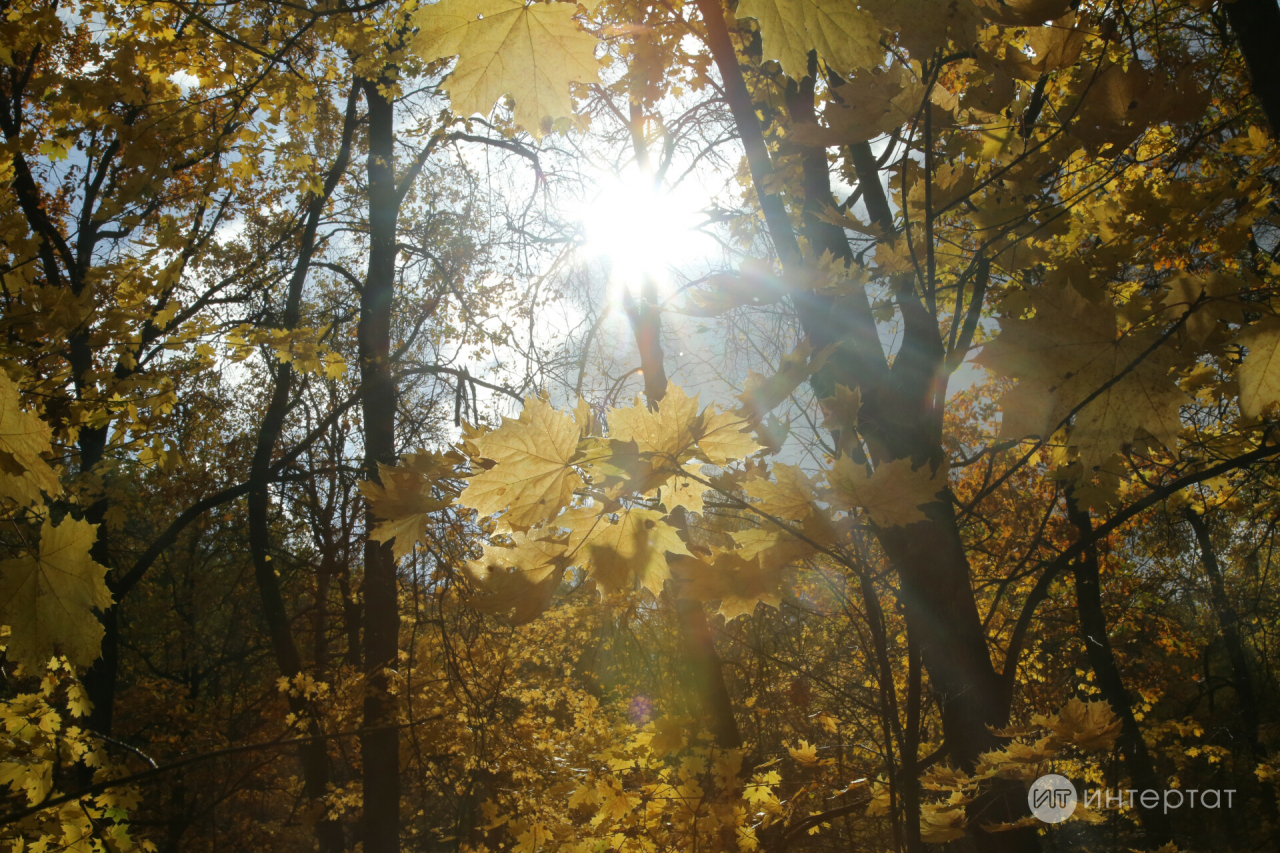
1052 798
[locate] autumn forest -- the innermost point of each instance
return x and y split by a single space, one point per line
759 426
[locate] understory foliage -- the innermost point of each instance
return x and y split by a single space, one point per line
350 505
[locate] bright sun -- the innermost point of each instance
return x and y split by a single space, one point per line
642 232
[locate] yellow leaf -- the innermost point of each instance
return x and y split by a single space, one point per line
844 36
763 393
633 547
23 438
1088 725
49 597
405 499
532 479
923 26
1259 373
518 582
891 495
804 752
738 583
788 495
872 103
685 491
531 52
1065 355
721 438
668 432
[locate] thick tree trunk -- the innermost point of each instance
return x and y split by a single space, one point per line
1229 626
899 420
1093 625
380 743
1256 24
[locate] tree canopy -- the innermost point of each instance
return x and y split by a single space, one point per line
743 425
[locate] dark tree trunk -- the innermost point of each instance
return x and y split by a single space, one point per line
1093 625
1229 626
899 420
314 755
380 743
1256 24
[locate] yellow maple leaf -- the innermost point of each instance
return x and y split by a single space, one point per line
763 393
685 491
668 432
48 597
872 103
406 498
788 494
804 752
1071 355
891 495
530 51
1259 374
739 584
633 547
844 36
518 581
1088 725
721 437
23 438
923 26
532 478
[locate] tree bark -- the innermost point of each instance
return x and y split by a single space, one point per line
314 754
900 420
380 745
1229 626
1093 626
1256 24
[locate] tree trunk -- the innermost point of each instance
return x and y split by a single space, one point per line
380 742
314 754
1256 24
1093 625
900 420
1228 624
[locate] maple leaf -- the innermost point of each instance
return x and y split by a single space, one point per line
738 584
635 546
763 393
530 51
685 491
49 597
1208 298
923 26
1064 355
24 437
872 103
891 495
840 410
668 432
532 478
1089 725
804 752
722 438
668 735
405 499
788 494
774 548
844 36
518 581
1024 11
1259 374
